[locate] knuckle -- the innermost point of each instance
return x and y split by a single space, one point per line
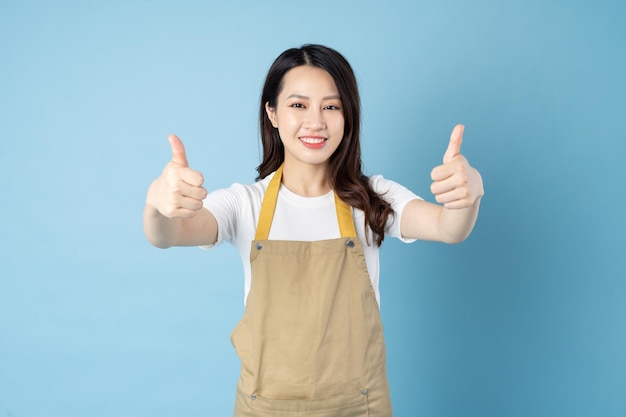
172 202
460 181
172 179
168 212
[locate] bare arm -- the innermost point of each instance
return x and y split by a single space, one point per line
174 215
163 232
459 188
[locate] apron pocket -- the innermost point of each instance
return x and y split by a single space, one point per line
353 404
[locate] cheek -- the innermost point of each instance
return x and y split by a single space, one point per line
339 126
286 121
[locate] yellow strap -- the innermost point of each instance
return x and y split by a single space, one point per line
269 206
344 216
344 212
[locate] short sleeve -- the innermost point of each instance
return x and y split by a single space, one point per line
398 196
236 211
223 204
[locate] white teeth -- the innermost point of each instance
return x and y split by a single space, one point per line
312 140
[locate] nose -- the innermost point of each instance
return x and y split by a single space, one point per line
315 119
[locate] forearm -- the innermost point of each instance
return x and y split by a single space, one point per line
198 230
160 231
455 225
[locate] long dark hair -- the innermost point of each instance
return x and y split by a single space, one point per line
346 176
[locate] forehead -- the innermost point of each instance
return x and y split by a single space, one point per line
308 80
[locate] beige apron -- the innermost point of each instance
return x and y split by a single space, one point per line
311 339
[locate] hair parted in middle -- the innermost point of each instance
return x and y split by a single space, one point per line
346 176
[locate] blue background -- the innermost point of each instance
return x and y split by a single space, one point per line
525 318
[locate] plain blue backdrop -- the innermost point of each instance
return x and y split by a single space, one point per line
525 318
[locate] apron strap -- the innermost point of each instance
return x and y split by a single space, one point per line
344 212
344 216
268 206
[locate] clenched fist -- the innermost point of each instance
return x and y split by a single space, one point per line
178 191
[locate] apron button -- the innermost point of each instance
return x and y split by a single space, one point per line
253 396
364 391
259 246
350 243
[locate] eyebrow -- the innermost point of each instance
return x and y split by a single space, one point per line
308 98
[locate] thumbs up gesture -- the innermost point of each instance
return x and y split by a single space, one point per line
178 191
456 184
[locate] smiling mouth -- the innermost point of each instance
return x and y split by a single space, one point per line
313 140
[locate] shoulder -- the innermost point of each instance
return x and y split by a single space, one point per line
236 209
239 193
236 202
381 184
391 191
398 196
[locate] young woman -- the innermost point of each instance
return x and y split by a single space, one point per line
308 231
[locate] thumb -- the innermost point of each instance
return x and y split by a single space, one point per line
454 147
178 151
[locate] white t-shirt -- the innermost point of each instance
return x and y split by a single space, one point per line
298 218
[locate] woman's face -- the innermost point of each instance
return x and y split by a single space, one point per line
308 116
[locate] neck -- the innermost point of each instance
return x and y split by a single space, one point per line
306 180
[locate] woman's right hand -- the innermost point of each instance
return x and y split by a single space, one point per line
178 192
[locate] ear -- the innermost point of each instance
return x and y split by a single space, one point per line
271 114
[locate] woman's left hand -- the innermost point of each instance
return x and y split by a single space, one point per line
456 184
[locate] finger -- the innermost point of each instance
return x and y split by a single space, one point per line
180 207
459 166
189 203
441 187
197 193
458 204
456 198
191 177
442 172
178 151
448 184
454 147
